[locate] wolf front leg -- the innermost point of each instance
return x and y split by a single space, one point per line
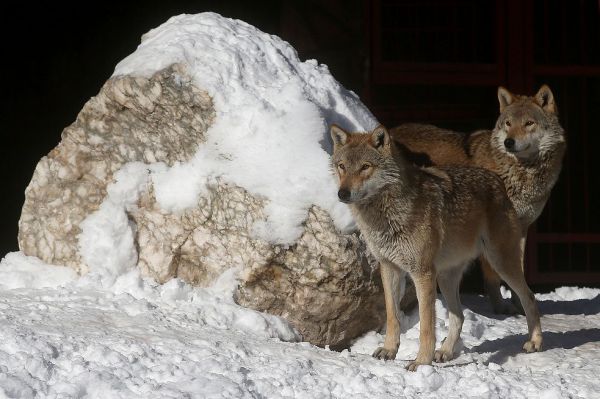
426 292
393 290
506 258
492 283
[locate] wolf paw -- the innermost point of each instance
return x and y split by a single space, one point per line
535 345
385 354
412 366
442 356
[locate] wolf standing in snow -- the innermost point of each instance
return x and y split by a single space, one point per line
430 223
525 149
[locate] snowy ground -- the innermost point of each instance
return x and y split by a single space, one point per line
77 338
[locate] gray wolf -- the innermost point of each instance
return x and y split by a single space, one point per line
430 223
525 148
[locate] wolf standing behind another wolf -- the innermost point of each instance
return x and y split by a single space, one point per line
430 223
525 149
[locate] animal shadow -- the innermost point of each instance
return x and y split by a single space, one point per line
578 306
511 345
481 305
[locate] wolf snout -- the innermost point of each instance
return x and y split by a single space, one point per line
344 194
509 143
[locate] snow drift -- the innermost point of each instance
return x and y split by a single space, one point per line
69 337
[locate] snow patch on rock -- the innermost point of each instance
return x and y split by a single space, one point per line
107 236
273 112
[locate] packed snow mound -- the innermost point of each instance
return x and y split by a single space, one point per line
20 271
134 294
272 116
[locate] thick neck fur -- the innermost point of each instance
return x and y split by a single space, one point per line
548 150
392 205
528 181
544 164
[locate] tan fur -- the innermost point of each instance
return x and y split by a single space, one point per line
529 171
430 223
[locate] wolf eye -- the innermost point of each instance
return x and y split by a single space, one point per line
341 166
364 167
529 123
507 123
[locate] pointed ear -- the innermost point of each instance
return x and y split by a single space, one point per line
545 99
338 135
505 98
380 137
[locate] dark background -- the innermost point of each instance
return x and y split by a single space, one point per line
409 60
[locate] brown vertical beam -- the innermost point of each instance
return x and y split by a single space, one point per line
500 32
367 91
519 46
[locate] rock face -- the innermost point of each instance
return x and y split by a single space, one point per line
323 284
161 119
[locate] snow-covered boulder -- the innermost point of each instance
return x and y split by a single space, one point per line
207 150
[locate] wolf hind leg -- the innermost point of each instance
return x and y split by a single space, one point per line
449 283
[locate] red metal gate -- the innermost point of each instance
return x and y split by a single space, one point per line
441 61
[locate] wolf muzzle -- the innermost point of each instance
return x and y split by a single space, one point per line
344 195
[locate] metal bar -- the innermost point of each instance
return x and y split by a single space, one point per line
368 22
567 70
586 162
529 46
450 79
569 209
444 67
568 237
546 32
515 47
562 277
454 33
472 33
564 30
583 33
500 32
376 36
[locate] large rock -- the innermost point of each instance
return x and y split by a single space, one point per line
99 198
323 284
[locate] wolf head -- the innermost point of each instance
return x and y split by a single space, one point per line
363 163
527 126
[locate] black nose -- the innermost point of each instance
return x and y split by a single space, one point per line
344 194
509 143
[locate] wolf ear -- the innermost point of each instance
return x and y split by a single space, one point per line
380 137
338 135
545 99
505 98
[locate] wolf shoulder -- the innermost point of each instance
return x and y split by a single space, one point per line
458 182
